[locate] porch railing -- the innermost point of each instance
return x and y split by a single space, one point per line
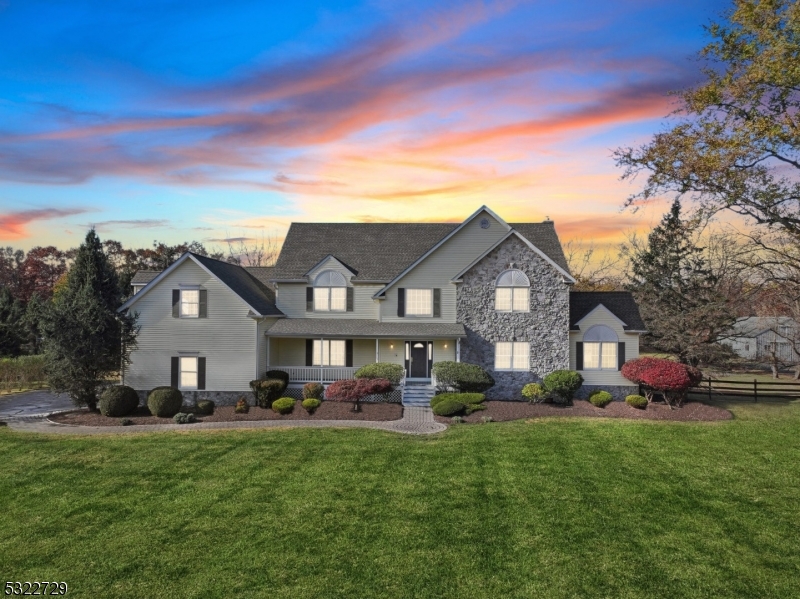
316 374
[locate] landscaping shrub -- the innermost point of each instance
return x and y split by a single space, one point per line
126 422
242 407
487 419
205 407
534 393
381 370
118 401
633 369
313 391
448 407
284 405
563 384
265 391
277 374
636 401
672 379
465 398
184 418
310 404
474 407
357 389
456 420
164 402
463 377
600 398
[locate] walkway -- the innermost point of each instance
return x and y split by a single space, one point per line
415 421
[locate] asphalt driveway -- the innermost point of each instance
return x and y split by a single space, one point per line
32 404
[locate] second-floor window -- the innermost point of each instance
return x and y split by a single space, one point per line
330 292
419 302
190 303
512 292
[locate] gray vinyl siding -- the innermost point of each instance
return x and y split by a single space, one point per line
263 325
292 352
363 352
288 352
227 338
631 340
329 264
292 302
442 265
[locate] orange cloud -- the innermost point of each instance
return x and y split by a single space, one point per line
13 224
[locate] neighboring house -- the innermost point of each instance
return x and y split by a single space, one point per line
343 295
766 338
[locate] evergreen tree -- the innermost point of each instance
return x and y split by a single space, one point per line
84 336
11 331
32 322
682 300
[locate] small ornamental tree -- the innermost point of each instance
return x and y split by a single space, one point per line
634 369
672 379
355 390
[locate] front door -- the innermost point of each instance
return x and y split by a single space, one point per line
418 367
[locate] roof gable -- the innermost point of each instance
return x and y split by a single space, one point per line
257 296
619 303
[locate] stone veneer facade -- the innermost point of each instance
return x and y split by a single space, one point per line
546 326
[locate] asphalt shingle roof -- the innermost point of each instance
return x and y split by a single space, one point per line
264 274
244 284
143 277
381 251
352 327
620 303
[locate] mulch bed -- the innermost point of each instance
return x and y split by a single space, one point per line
516 410
328 410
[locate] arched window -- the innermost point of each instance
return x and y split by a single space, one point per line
512 291
330 292
600 348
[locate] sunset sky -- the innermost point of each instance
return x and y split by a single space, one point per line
175 120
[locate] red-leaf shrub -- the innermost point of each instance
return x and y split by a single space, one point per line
357 389
672 379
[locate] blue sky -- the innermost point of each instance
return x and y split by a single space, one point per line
207 120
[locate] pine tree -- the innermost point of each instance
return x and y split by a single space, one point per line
83 335
11 315
681 298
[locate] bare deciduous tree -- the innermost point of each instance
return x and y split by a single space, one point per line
248 251
594 269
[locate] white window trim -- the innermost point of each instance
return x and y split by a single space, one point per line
180 303
330 299
512 310
512 369
322 344
600 355
429 314
181 371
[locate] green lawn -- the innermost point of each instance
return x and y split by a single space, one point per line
549 508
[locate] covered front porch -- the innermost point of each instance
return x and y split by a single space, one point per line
317 350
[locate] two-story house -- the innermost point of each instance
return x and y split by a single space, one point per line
343 295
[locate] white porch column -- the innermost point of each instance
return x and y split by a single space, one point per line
458 349
268 342
377 351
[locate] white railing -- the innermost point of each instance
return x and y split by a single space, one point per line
316 374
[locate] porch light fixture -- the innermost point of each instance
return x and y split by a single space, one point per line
391 346
445 346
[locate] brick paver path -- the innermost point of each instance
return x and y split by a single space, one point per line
415 421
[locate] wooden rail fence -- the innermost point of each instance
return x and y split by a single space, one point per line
746 389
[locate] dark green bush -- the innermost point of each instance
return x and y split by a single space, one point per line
464 398
284 405
448 407
463 377
313 391
600 398
381 370
534 392
310 404
205 407
266 391
184 418
164 402
637 401
242 407
118 401
277 374
563 384
474 407
126 422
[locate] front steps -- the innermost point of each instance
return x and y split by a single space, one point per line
418 395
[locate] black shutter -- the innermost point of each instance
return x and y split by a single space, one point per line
309 299
348 352
309 351
203 303
201 373
620 354
173 381
176 303
579 355
350 299
437 302
401 301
